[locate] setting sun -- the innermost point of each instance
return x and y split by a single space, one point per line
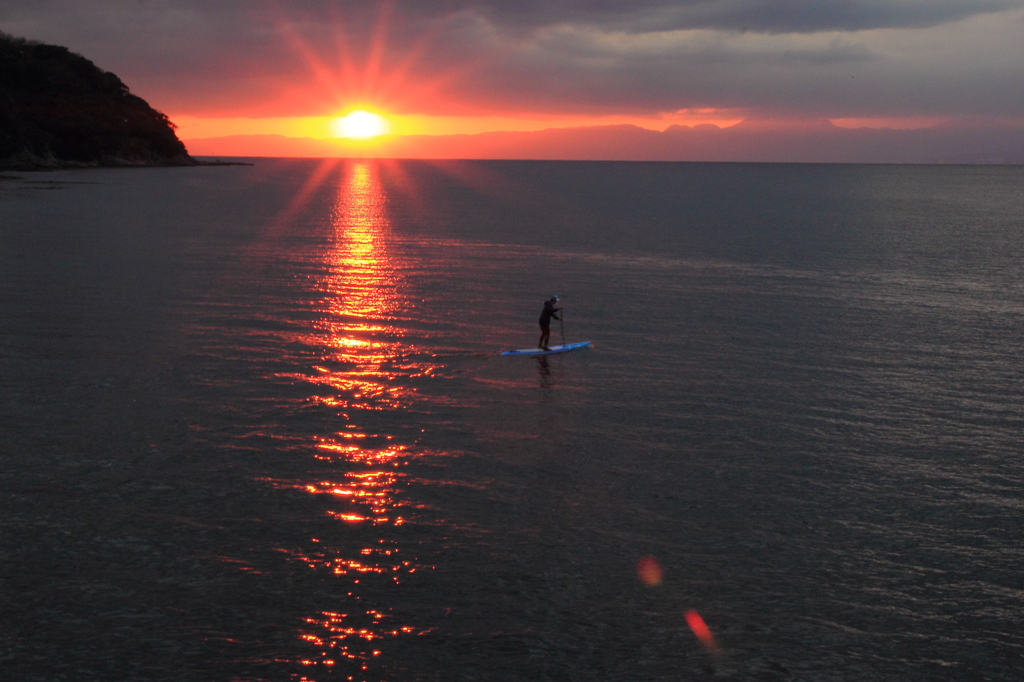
360 125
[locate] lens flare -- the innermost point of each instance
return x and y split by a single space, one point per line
701 630
650 571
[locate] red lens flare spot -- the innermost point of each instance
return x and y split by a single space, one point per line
649 571
701 630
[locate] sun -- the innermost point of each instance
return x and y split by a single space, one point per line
360 125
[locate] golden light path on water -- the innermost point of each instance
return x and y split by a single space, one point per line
362 347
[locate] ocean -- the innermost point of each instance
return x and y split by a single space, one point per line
254 424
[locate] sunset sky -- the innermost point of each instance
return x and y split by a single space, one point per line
461 66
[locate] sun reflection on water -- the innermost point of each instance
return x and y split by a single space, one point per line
366 360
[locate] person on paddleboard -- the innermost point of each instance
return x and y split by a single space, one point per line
545 321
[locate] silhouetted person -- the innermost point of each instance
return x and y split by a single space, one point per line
545 321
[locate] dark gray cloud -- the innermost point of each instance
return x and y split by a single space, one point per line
295 57
236 17
767 16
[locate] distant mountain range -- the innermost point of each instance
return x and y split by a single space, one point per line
753 141
58 109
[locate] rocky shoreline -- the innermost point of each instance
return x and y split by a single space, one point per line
7 167
35 163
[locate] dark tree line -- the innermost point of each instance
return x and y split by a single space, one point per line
58 108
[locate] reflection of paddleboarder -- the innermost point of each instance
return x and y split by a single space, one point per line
545 321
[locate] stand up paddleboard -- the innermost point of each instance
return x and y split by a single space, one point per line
560 348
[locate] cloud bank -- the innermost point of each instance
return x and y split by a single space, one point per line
783 58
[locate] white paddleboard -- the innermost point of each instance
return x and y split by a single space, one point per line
560 348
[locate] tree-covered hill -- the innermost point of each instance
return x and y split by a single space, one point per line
57 109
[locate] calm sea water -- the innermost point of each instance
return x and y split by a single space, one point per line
253 424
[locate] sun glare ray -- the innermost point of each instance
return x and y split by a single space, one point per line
380 78
322 75
378 46
317 178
